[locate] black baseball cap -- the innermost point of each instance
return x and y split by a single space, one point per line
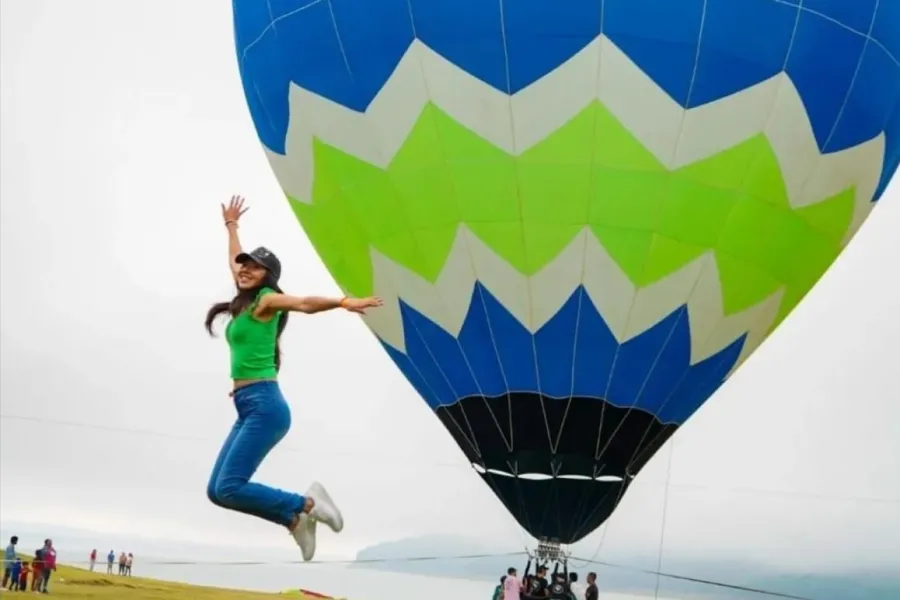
264 258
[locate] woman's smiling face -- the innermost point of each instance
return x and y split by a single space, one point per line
250 275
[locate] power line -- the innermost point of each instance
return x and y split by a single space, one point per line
205 440
404 460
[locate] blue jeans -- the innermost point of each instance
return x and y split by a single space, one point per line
263 420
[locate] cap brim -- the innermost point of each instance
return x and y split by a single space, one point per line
245 257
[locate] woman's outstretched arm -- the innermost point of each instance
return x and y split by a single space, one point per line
231 214
271 303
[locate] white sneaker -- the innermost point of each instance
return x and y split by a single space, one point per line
325 509
305 536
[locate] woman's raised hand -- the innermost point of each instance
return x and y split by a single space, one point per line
359 305
233 211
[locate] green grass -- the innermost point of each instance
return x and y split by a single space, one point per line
69 582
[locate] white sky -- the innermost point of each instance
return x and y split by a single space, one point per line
124 126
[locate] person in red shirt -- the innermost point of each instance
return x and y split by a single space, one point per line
48 555
37 566
93 558
23 577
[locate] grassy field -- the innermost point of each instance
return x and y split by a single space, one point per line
79 584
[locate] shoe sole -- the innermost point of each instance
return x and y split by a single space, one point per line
317 489
310 525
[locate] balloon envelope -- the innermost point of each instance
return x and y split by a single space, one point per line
582 215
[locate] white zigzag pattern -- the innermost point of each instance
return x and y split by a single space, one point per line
600 71
627 310
516 123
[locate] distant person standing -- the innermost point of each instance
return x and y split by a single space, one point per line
539 583
48 555
122 560
512 587
14 575
9 559
498 591
37 569
576 587
128 562
559 588
591 593
110 561
93 558
23 577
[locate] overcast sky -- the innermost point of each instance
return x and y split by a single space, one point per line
124 126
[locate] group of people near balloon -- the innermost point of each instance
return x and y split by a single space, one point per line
561 585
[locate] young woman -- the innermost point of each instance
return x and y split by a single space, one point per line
258 315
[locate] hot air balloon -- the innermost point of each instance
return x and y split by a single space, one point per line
583 216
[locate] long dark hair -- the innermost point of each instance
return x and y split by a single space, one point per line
243 300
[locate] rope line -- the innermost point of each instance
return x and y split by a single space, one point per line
658 573
710 582
410 559
251 563
662 532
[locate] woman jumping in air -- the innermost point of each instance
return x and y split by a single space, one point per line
258 314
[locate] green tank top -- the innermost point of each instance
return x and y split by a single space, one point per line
252 343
